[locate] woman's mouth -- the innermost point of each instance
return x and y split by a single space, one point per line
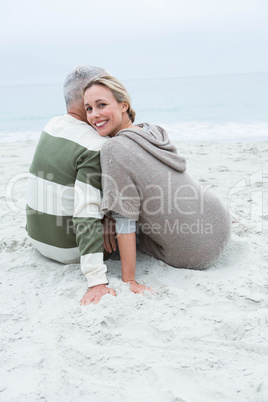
101 123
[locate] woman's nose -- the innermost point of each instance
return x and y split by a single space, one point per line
95 112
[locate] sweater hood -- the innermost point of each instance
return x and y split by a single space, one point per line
155 141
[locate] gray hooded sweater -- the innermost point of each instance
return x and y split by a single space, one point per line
178 221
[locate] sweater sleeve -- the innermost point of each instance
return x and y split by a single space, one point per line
123 225
120 192
87 218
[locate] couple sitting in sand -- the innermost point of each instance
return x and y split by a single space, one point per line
93 168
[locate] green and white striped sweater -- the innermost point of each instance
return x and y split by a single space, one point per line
64 196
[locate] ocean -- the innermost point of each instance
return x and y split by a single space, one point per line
208 108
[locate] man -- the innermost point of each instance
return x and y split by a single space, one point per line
64 220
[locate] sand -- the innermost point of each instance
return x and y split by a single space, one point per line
202 336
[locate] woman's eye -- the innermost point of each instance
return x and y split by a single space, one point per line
89 109
102 104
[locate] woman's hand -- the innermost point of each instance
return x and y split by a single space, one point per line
127 249
137 288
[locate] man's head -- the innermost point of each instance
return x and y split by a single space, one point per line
74 84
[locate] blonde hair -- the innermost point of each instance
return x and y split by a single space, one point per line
117 88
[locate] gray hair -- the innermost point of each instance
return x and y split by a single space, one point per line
76 80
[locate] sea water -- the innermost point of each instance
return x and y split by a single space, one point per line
208 108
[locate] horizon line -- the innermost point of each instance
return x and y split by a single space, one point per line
140 79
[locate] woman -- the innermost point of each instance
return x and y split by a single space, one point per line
147 190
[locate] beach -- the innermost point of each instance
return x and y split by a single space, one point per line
201 336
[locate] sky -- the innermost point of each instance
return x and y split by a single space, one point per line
40 41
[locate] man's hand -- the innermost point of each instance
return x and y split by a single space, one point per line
95 293
109 236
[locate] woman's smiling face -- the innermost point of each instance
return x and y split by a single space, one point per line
104 113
